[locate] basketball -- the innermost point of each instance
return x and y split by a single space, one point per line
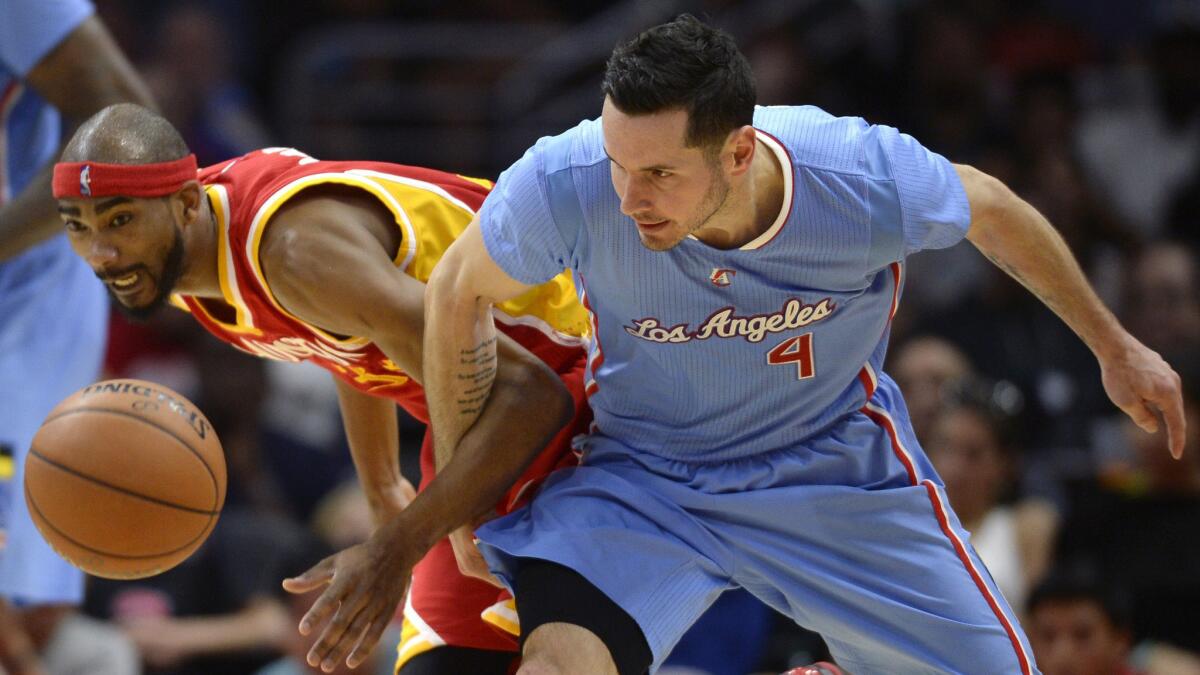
125 479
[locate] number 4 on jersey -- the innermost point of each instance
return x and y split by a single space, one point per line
797 349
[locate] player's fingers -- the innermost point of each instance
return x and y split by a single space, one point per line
334 634
329 601
313 577
350 607
369 640
316 654
1171 405
350 639
1142 416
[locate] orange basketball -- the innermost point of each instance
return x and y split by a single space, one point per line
125 479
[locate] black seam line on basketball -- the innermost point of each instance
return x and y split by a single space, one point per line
117 488
156 425
203 533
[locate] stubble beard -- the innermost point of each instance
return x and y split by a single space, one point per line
164 285
714 201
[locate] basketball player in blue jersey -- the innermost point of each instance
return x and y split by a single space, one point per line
741 265
55 57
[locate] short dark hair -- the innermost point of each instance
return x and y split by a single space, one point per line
126 133
684 64
1080 582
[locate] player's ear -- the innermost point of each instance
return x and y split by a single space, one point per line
741 143
186 202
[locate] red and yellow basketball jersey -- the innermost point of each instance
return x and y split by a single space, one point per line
431 209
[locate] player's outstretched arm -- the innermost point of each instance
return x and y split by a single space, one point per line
1019 240
328 260
83 74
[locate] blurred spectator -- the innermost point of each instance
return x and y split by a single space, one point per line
1163 304
1076 626
220 611
1007 334
157 349
303 443
926 368
343 518
1045 111
1140 153
1054 184
53 640
1138 527
231 390
948 99
192 76
969 448
1184 219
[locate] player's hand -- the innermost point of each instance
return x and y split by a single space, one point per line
366 583
470 560
1142 385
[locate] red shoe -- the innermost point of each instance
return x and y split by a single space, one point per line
822 668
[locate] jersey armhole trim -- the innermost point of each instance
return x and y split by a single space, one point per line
262 218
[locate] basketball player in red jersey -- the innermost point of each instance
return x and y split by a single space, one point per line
291 258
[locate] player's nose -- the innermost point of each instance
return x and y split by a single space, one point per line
636 198
102 255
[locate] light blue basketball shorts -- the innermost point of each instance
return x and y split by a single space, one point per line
849 533
53 324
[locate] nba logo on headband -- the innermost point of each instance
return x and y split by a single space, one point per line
73 180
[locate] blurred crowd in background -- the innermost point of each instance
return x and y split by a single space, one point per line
1089 110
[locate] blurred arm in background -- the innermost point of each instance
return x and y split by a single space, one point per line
79 77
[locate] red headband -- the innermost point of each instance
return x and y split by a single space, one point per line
74 180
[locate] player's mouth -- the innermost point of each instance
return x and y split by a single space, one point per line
127 285
652 226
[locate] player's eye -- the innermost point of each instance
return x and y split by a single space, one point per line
74 226
660 173
120 219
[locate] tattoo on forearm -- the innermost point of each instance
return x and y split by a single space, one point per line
479 347
1009 269
478 368
1046 295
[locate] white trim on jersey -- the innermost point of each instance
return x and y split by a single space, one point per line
420 185
502 611
427 636
254 234
870 371
273 200
244 315
942 513
890 428
413 182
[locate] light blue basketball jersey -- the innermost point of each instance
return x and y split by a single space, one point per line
53 312
705 354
